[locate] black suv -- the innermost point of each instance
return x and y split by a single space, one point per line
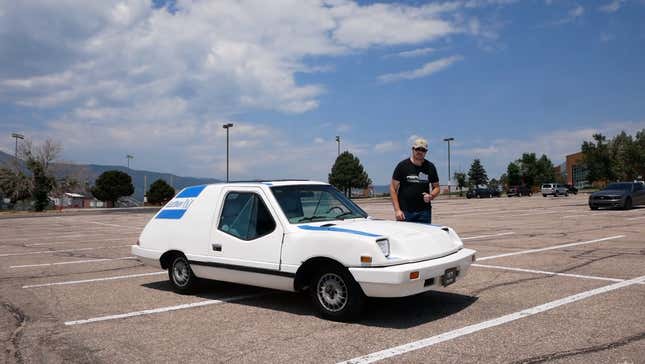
571 189
518 191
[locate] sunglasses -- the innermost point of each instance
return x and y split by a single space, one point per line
422 150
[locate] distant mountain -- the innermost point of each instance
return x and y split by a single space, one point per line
90 172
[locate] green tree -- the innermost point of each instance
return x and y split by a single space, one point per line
477 174
514 175
348 173
14 185
528 168
639 154
597 159
493 184
460 177
544 170
111 185
160 192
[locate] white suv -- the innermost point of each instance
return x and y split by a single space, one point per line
554 189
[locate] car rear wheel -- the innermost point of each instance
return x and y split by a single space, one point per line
628 204
544 195
181 277
336 294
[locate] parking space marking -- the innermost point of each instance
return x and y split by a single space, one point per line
62 250
487 236
549 273
636 218
70 262
94 280
546 212
424 343
161 309
76 242
550 248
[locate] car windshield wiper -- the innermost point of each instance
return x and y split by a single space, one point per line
311 218
339 216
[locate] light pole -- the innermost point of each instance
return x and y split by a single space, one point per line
227 126
338 142
17 136
448 140
128 156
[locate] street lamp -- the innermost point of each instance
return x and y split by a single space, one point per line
227 126
17 136
448 140
128 156
338 142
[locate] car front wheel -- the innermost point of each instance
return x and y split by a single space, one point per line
593 207
628 204
181 277
336 294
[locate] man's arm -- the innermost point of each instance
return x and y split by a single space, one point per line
394 189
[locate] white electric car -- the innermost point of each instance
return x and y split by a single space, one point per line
298 236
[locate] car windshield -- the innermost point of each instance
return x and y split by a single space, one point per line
308 203
619 186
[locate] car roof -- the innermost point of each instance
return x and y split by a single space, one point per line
271 183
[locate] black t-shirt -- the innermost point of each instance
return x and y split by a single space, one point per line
415 180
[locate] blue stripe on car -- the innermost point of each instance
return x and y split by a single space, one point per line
191 191
171 214
336 229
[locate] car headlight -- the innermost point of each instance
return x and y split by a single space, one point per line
384 244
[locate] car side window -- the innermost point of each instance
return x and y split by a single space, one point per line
638 187
245 216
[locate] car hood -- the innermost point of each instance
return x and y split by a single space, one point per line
610 193
408 241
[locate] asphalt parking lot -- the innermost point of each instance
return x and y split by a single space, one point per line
554 282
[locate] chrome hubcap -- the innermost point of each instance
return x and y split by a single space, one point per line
332 292
180 273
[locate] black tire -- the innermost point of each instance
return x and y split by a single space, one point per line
593 207
566 194
181 277
544 195
336 294
628 204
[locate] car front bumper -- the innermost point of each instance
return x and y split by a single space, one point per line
607 202
394 281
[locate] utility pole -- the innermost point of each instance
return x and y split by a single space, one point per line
128 156
338 142
448 140
17 136
227 127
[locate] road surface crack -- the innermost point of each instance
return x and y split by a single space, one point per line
21 320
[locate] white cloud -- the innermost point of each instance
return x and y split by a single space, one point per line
386 146
426 70
415 52
612 7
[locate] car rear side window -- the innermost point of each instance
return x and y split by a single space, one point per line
245 216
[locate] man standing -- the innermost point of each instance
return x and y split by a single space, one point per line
410 185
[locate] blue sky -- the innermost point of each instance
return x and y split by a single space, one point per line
158 79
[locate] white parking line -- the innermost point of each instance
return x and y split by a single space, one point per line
62 251
424 343
77 242
636 218
549 248
162 309
487 236
549 273
94 280
70 262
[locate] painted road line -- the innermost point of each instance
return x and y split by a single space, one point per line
94 280
546 212
160 310
62 250
549 248
424 343
487 236
549 273
79 242
570 216
70 262
636 218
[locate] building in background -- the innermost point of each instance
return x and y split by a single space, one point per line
576 172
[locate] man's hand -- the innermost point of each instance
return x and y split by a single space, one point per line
427 197
399 215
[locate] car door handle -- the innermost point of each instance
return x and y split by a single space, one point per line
217 247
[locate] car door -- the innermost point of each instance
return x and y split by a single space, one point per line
246 231
639 194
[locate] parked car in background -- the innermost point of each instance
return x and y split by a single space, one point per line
571 189
479 192
619 194
554 189
518 191
495 192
